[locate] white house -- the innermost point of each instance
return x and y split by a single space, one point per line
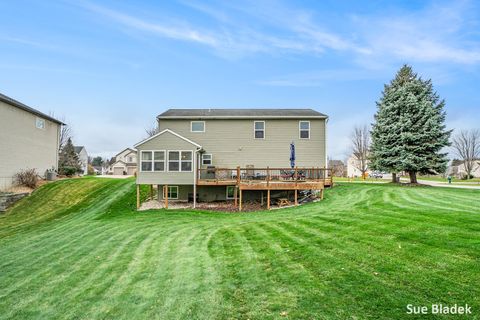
82 157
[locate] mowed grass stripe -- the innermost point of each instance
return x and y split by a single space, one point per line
363 252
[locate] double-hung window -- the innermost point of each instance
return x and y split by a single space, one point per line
259 129
304 127
159 161
146 161
197 126
172 192
152 161
206 159
180 161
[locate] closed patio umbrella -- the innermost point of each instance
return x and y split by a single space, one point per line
292 155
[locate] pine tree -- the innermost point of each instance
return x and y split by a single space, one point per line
68 162
409 130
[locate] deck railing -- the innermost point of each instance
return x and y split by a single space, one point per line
238 174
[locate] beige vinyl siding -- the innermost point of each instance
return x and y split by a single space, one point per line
183 191
232 143
167 142
23 145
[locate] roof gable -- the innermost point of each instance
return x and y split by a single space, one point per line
171 132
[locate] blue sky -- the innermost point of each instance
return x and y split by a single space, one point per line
110 67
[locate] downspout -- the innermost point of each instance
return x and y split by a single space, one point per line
326 136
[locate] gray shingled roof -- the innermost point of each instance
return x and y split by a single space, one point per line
240 113
78 148
22 106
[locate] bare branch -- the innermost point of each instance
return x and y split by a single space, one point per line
152 130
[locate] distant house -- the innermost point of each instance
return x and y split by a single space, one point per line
338 168
99 170
29 139
353 167
125 163
457 169
83 157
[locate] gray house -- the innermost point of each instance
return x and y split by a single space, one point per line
82 157
222 154
29 139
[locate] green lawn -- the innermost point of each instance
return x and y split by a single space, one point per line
454 180
77 249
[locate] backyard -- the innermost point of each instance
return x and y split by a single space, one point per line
78 249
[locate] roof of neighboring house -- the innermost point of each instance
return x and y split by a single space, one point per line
131 150
78 149
22 106
240 113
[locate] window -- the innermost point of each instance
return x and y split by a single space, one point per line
146 163
40 123
159 161
304 127
230 192
172 192
180 160
153 161
130 159
197 126
206 159
259 129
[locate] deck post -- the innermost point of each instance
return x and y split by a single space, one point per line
268 199
166 196
324 176
138 196
321 193
240 202
296 196
268 177
296 176
151 192
235 191
238 175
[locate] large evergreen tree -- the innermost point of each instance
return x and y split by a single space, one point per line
409 130
68 162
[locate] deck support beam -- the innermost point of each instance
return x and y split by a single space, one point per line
151 192
165 194
268 199
240 202
296 197
138 196
235 192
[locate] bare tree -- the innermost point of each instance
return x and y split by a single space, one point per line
66 132
360 147
466 144
152 130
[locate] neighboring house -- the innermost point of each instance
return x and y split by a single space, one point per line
125 163
338 168
212 151
353 167
83 158
457 169
99 170
29 139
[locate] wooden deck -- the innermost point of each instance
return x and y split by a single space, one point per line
266 179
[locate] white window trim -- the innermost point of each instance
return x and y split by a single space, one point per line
153 160
36 123
179 160
204 126
300 130
226 193
255 130
167 190
211 159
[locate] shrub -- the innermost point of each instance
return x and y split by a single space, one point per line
67 171
27 178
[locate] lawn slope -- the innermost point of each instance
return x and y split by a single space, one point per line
77 249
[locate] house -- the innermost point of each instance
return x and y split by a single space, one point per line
339 169
353 167
99 170
83 158
218 154
29 139
457 169
125 163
